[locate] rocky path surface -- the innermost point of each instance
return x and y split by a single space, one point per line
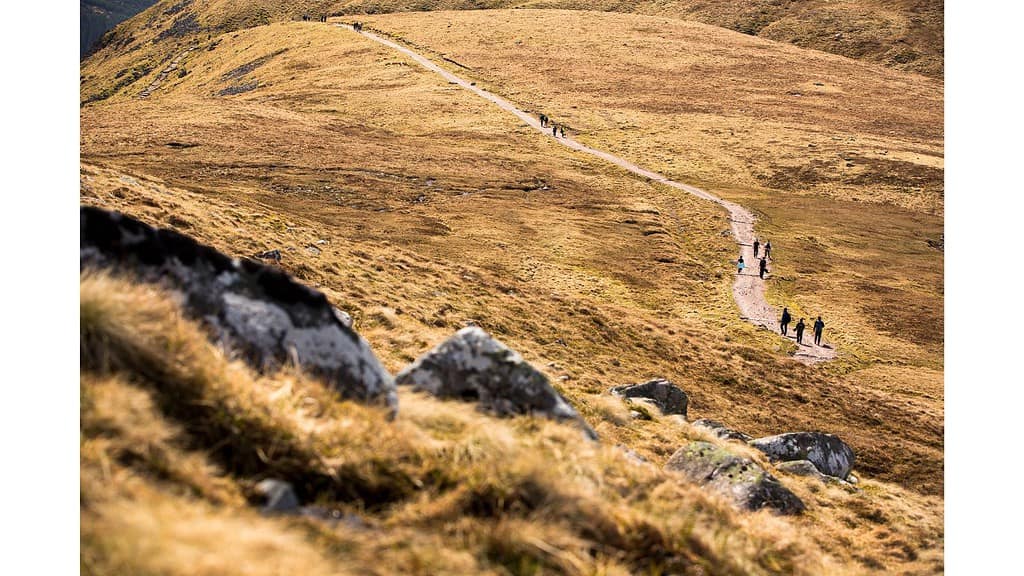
748 289
171 67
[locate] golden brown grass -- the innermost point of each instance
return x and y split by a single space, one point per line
434 211
906 35
161 495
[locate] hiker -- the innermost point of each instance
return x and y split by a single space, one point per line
784 322
818 327
756 246
562 129
768 249
800 331
740 265
543 121
764 267
554 130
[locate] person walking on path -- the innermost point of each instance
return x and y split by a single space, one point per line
562 130
543 121
763 267
554 130
818 327
784 322
800 331
768 249
757 245
740 265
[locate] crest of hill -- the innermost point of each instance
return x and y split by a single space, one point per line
906 35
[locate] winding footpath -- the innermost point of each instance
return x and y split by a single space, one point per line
748 290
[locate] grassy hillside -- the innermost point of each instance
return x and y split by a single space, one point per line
906 35
172 447
98 16
418 208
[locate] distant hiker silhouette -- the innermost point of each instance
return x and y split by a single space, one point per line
562 129
763 267
554 130
543 121
800 331
756 246
784 322
768 249
740 265
818 327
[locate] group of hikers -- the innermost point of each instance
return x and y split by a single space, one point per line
819 325
762 263
307 18
555 128
357 26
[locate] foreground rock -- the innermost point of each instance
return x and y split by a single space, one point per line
256 309
740 479
668 397
471 365
721 430
827 452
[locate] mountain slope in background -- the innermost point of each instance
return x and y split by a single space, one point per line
905 34
98 16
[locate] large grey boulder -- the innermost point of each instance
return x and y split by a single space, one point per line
827 452
739 479
471 365
668 397
252 308
721 430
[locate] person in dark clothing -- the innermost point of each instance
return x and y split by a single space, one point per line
800 331
757 245
818 327
554 130
764 267
784 322
768 249
562 130
543 121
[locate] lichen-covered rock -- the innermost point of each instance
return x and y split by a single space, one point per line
471 365
255 309
740 479
668 397
721 430
827 452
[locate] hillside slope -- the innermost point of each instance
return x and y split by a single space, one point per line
419 209
96 17
906 35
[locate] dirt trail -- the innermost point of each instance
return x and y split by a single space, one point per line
748 289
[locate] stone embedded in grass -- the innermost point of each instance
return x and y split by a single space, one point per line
827 452
255 309
740 479
471 365
668 397
721 430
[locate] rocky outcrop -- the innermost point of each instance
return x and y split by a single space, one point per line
255 309
668 397
471 365
721 430
740 479
830 455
